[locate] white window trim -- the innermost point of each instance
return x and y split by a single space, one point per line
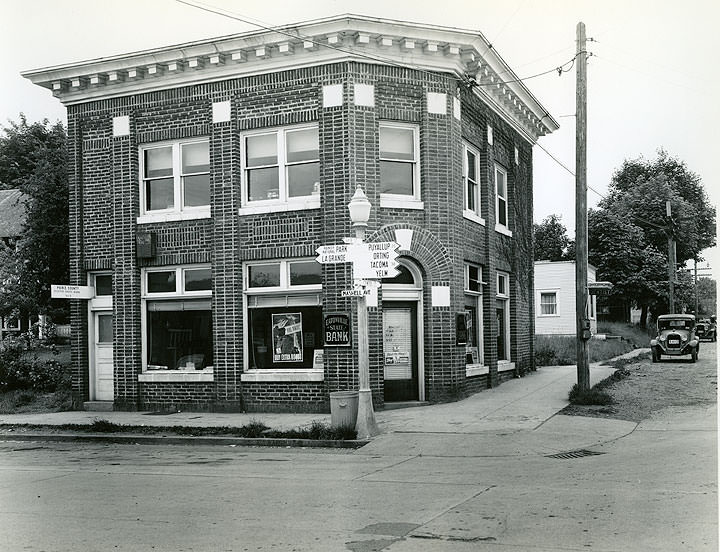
540 293
468 213
505 297
502 228
403 201
480 367
205 374
99 301
275 374
283 202
178 212
6 327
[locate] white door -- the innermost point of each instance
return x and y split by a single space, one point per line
103 386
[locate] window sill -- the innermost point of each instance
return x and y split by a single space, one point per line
282 375
548 316
296 205
150 218
156 376
503 230
476 370
401 202
473 216
505 366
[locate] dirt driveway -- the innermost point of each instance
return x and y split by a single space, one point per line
652 386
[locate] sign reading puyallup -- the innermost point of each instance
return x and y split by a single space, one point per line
372 261
71 292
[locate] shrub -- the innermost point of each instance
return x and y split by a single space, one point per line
21 365
592 396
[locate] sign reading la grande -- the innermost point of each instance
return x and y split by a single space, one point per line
374 261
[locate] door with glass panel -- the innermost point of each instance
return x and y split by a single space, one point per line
400 358
103 384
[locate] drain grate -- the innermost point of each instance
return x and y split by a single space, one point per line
574 454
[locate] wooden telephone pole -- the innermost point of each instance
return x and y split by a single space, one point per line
581 229
671 259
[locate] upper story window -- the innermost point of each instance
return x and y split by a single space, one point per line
471 181
502 221
399 154
282 167
175 180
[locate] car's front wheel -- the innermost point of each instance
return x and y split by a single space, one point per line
695 354
655 355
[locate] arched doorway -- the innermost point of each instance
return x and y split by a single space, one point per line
402 323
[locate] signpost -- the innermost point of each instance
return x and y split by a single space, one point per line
371 261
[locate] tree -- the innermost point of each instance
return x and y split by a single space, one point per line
33 158
707 296
550 240
628 234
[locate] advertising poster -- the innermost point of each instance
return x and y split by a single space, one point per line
287 337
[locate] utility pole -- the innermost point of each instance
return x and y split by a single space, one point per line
671 258
697 307
581 230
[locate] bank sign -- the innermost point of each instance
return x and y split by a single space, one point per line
337 330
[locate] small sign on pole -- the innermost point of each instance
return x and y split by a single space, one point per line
600 288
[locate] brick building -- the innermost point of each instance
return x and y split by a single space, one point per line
206 175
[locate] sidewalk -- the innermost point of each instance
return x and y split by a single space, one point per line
526 405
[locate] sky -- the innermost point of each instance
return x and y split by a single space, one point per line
652 77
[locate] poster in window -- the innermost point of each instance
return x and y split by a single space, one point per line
287 337
461 329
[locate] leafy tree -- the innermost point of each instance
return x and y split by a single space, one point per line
33 158
628 234
707 296
551 241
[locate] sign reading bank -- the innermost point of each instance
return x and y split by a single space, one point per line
336 327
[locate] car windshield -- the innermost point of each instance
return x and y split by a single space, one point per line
675 324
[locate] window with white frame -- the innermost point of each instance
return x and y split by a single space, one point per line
178 318
501 199
399 152
548 303
10 323
473 315
502 313
471 181
283 314
281 166
176 178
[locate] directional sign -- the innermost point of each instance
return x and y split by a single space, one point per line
380 261
332 254
355 292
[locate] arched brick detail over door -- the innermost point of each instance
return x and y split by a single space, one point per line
424 246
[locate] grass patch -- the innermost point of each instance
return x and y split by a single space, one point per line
559 350
25 401
631 333
255 429
592 396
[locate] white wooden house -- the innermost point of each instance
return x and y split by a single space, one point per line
555 298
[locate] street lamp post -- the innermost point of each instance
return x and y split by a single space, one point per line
365 426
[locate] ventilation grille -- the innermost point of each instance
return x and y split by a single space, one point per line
574 454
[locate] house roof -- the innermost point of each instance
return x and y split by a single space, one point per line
466 55
12 213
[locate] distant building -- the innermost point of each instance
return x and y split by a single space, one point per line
206 176
12 219
555 298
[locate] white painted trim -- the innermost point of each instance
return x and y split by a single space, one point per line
473 216
505 366
476 370
404 236
151 218
269 375
221 112
437 103
391 201
332 95
364 94
159 376
503 230
311 203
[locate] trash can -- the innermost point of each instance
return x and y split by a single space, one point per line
343 408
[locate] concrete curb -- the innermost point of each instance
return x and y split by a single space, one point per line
132 438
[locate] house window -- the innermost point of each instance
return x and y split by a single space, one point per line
10 324
281 166
176 178
102 284
473 315
178 318
471 182
501 199
284 314
399 161
502 313
548 303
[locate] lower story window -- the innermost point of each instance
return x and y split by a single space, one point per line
473 321
179 335
285 337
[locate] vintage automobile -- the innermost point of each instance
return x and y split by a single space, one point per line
675 337
706 328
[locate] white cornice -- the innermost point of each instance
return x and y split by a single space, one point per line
465 54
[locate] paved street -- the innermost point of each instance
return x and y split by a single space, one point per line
460 486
